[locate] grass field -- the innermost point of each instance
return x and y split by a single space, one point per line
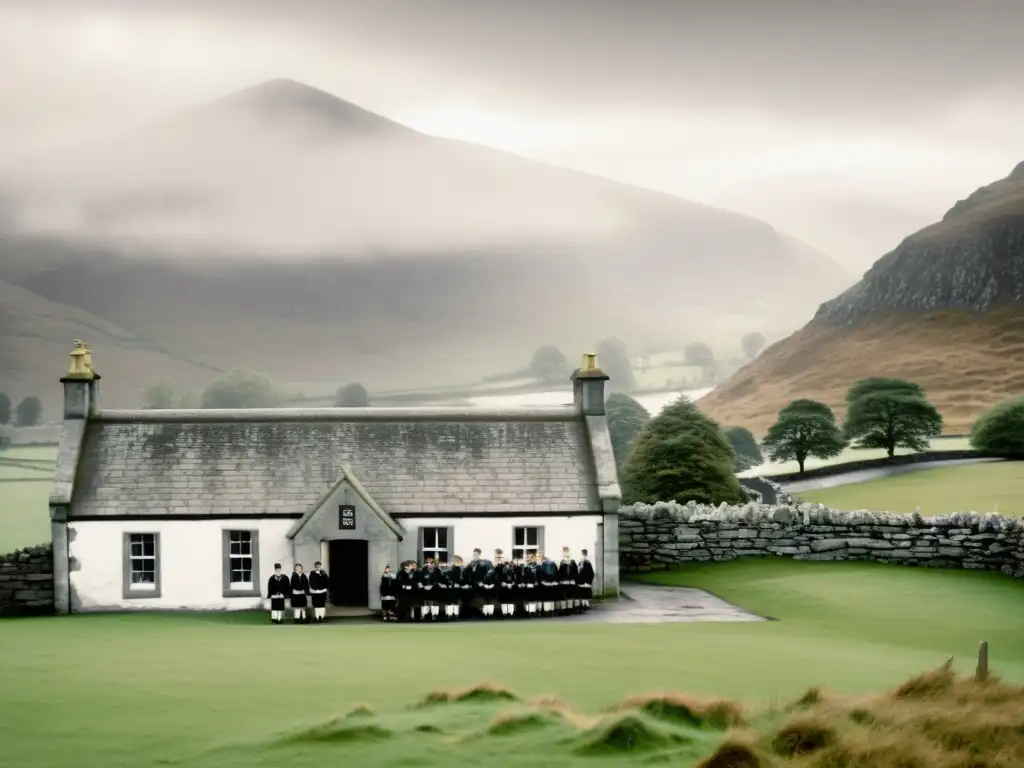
990 487
226 690
851 454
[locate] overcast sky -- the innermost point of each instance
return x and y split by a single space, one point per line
840 122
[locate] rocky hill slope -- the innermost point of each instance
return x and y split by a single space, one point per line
290 231
945 309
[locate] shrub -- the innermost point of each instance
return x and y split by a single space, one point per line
1001 430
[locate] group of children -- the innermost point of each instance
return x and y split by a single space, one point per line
299 590
534 586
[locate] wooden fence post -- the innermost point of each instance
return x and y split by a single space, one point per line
981 673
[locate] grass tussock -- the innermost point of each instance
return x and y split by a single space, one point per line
481 693
340 731
360 711
803 736
514 723
627 732
930 684
678 709
812 697
933 720
735 754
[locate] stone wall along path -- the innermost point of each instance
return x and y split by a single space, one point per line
659 536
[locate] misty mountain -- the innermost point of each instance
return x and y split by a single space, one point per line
286 229
852 226
944 309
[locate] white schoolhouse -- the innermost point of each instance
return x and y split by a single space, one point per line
190 509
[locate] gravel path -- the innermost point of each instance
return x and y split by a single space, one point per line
864 475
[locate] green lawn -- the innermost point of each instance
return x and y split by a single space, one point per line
105 690
851 454
990 487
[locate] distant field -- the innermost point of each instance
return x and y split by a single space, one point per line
25 478
852 454
983 488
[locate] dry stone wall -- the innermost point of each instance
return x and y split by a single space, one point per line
26 582
659 536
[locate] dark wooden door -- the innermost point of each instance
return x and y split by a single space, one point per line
348 577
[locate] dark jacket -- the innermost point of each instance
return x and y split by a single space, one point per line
300 583
404 582
388 586
568 571
318 581
279 587
547 571
586 573
481 568
428 578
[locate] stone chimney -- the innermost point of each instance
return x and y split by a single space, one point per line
588 386
81 384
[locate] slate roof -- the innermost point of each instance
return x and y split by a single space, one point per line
152 463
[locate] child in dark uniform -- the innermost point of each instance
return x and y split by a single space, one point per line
388 595
300 588
318 582
278 589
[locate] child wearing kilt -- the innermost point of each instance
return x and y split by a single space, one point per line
278 589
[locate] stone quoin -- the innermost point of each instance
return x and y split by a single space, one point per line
190 509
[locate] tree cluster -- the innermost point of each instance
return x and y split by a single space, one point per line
240 388
26 414
880 413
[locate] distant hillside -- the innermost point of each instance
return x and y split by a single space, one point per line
290 231
945 309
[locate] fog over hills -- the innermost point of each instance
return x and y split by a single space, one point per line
288 230
945 309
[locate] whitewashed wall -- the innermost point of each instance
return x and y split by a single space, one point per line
488 534
191 562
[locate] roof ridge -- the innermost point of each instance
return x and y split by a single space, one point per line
329 415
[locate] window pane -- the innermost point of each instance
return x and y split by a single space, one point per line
518 554
520 536
429 538
442 538
136 549
531 537
149 546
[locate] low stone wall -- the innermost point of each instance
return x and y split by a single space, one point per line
659 536
26 582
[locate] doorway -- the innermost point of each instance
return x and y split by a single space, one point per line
348 563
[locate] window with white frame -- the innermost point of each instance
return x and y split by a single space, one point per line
526 541
240 559
142 567
434 543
